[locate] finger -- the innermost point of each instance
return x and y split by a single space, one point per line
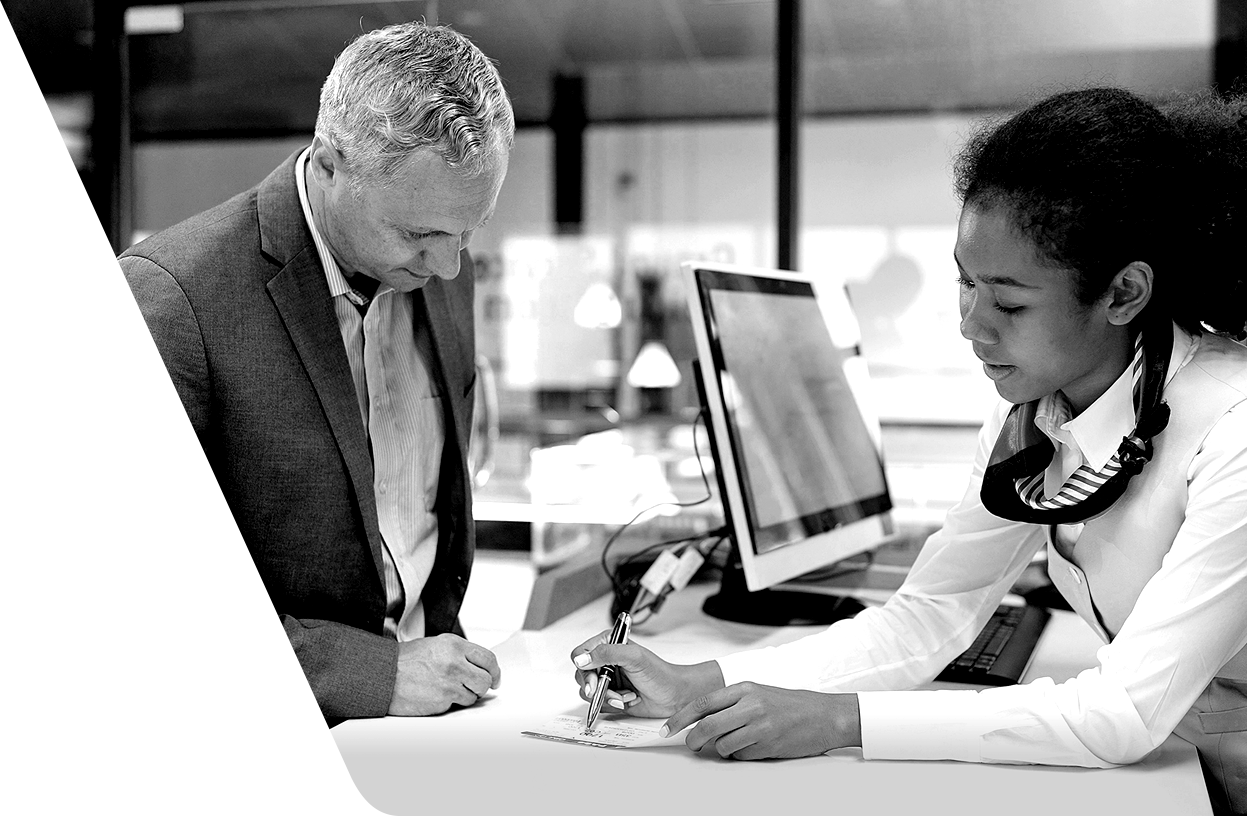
753 751
618 698
478 684
484 659
735 744
601 637
699 708
476 679
718 726
464 696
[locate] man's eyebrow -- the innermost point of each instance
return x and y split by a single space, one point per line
411 231
996 280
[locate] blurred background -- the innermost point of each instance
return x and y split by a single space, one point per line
814 135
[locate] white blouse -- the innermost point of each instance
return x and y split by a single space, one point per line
1107 715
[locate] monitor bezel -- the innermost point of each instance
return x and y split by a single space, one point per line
774 566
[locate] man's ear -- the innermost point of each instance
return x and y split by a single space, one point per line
1129 292
326 164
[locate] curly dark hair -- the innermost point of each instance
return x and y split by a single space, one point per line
1099 178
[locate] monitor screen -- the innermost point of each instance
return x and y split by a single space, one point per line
799 463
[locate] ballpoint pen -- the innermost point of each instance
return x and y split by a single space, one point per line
619 634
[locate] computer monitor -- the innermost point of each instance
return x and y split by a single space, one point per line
798 463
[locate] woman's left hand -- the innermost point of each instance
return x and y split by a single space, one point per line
752 721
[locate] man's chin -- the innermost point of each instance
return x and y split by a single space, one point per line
407 283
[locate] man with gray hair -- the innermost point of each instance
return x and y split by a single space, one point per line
319 330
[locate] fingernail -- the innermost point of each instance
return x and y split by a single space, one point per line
581 660
616 703
664 731
627 696
588 692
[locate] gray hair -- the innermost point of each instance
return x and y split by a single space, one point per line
408 86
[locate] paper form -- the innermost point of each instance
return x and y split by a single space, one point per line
607 733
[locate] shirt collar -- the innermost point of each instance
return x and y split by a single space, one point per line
333 275
1097 432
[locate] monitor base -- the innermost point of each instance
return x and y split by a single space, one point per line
776 607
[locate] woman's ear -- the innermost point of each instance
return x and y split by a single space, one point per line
1129 292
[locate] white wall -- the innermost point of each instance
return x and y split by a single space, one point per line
878 214
877 210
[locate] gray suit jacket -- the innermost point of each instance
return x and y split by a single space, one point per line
237 303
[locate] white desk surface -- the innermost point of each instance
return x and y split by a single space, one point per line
475 760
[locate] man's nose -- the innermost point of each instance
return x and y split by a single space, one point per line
442 259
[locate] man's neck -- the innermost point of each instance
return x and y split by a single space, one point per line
358 281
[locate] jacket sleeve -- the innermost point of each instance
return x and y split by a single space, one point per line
175 330
351 672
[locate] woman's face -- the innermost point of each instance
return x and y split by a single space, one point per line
1024 320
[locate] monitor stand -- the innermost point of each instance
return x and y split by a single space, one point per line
774 607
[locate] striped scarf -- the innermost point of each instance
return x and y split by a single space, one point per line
1014 479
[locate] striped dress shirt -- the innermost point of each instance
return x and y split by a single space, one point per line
401 408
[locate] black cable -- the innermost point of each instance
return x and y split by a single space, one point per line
709 495
652 606
848 566
622 589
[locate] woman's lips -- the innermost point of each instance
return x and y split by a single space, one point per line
997 372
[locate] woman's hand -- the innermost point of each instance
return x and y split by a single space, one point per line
645 685
751 721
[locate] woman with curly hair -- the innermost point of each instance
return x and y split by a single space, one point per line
1101 275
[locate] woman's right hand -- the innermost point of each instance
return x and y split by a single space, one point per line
645 685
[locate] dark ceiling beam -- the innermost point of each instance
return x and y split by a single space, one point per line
788 122
568 118
111 180
1230 47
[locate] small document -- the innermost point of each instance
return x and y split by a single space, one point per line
606 733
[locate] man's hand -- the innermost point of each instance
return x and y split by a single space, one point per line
437 672
645 685
751 721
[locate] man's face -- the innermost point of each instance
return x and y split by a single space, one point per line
407 232
1024 320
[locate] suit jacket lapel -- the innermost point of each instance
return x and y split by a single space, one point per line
302 298
449 350
447 314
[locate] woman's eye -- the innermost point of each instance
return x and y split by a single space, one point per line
968 285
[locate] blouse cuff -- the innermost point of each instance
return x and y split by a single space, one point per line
921 725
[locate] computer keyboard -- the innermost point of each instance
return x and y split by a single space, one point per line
1002 651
